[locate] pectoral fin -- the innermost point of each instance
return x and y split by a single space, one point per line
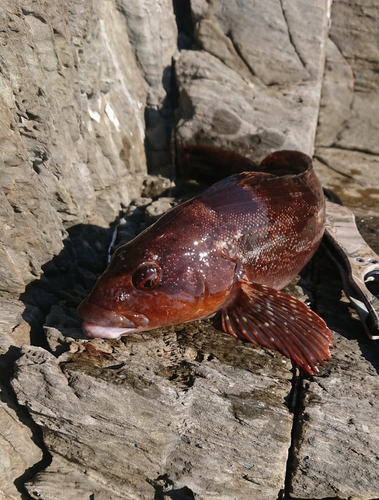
269 317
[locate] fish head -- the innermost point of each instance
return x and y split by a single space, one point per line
150 284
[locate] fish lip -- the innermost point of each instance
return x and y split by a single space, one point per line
93 330
94 314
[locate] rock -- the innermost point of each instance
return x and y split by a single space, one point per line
88 101
352 175
234 97
338 408
74 482
63 115
156 185
15 330
350 434
213 39
157 208
156 397
20 447
354 38
290 39
338 93
72 127
147 22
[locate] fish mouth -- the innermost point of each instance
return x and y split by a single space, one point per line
93 330
107 324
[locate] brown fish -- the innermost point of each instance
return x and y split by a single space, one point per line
229 251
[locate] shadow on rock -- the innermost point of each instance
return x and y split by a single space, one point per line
66 280
323 279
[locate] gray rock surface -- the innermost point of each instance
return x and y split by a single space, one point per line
337 442
354 32
92 94
19 451
234 95
171 417
72 128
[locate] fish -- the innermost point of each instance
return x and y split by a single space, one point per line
228 251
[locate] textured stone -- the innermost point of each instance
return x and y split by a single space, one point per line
336 445
289 31
218 107
337 94
155 396
339 420
156 185
19 451
352 175
352 63
235 97
87 98
72 129
15 330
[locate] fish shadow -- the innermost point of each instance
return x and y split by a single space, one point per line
52 299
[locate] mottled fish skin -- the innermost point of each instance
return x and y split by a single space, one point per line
229 251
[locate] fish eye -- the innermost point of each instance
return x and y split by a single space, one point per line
146 276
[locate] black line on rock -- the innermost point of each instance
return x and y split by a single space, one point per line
240 54
183 16
290 36
297 407
36 437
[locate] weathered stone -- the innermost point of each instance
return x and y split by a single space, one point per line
276 105
220 108
19 452
213 39
155 396
157 208
337 95
155 185
336 442
15 331
87 93
339 420
352 175
70 482
291 40
58 127
148 22
353 61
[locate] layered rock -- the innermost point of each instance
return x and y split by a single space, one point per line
255 87
185 421
336 424
88 100
72 128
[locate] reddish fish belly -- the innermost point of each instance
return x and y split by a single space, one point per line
104 323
